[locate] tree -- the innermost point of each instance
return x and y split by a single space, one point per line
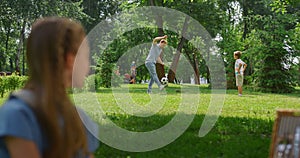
273 72
173 67
258 28
15 23
99 10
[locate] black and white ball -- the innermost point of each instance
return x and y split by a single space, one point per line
164 81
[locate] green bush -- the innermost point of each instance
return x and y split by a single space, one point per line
11 83
2 85
105 73
90 82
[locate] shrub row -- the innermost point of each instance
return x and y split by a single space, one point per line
14 82
11 83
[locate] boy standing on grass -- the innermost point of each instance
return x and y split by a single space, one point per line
152 58
239 68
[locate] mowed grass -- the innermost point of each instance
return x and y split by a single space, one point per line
243 129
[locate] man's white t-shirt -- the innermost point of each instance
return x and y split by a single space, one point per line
154 53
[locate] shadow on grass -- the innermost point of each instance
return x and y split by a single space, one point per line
230 137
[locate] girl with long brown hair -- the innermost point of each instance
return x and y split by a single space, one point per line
40 120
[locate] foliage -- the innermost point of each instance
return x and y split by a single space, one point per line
273 72
90 82
11 83
98 10
15 23
229 43
106 74
266 35
267 31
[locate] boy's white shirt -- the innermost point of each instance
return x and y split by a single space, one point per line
236 67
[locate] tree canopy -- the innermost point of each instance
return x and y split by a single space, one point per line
266 31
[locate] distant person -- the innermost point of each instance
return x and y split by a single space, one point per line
133 72
239 68
40 120
117 71
152 58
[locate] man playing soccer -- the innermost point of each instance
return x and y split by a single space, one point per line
152 58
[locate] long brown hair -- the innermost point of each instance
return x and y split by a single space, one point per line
48 44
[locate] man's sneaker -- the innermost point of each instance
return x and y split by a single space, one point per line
149 92
240 95
161 87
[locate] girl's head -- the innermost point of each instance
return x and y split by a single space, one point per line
53 47
237 54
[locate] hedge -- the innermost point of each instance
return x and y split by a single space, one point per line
11 83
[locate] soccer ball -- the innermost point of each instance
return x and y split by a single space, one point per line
164 80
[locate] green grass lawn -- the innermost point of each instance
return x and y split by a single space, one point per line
243 129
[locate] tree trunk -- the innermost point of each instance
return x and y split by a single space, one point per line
208 74
152 3
23 61
20 47
159 67
159 21
160 71
6 46
245 14
11 63
173 67
2 61
194 63
196 69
